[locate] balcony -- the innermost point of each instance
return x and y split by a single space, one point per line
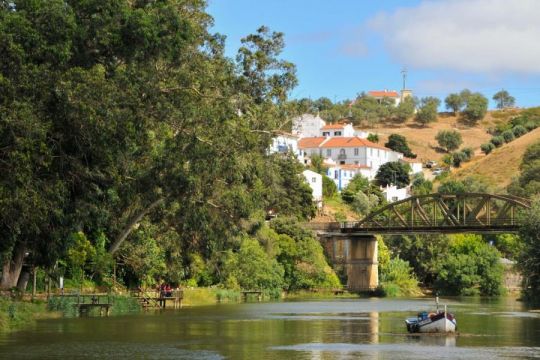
342 156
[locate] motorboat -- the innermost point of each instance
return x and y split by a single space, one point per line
439 321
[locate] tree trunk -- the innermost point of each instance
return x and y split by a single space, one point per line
11 270
23 281
131 224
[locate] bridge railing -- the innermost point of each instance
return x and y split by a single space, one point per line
418 224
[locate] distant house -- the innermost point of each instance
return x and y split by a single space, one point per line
381 95
331 130
342 174
392 193
349 151
315 182
286 143
307 125
416 166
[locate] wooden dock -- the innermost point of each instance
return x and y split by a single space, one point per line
155 300
245 294
86 302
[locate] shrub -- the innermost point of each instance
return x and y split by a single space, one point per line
329 187
373 137
519 130
487 147
468 153
449 139
497 141
458 158
508 136
530 126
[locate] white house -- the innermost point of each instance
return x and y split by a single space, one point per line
342 174
330 130
286 143
315 182
416 166
307 125
393 194
382 95
349 151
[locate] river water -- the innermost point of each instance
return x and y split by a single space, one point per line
334 329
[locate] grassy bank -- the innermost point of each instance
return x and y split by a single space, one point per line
15 315
121 305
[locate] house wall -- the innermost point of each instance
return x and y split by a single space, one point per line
307 125
286 144
315 182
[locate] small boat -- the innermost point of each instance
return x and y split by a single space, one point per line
438 322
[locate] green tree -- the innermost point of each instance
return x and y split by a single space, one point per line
475 108
528 183
487 148
449 139
405 109
399 143
373 137
454 102
471 267
529 259
427 112
329 187
504 99
395 173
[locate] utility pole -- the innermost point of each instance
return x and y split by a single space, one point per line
404 75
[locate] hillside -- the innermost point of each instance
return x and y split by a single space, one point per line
499 167
422 139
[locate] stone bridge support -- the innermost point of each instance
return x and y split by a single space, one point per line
358 255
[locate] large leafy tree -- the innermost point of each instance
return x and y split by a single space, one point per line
399 143
454 102
393 173
475 109
504 99
449 139
110 111
427 111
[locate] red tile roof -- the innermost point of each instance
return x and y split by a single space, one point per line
383 93
354 141
333 127
310 142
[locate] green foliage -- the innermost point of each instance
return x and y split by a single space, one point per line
395 173
454 102
487 148
317 164
528 183
421 186
396 276
363 203
427 111
449 139
519 131
529 258
497 141
399 143
251 268
508 136
302 258
510 245
121 305
474 184
329 187
468 152
504 99
471 267
373 137
15 315
405 109
475 108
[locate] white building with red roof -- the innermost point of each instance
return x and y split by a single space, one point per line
382 95
350 151
307 125
331 130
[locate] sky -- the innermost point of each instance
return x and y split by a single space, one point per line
344 47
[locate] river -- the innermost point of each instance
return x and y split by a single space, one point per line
333 329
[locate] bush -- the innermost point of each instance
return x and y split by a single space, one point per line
508 136
329 187
449 139
468 153
373 137
458 158
497 141
397 278
519 130
530 126
487 147
471 267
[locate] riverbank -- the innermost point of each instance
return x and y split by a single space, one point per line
15 315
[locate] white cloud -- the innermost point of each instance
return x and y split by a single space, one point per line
479 36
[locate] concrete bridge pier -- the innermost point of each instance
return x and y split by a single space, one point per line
358 254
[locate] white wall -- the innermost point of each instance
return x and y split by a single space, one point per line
284 144
392 193
307 125
315 182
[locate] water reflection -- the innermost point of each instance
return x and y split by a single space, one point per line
341 329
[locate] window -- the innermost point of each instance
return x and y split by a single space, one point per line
342 162
370 151
336 174
356 163
326 133
328 152
337 133
355 151
378 153
313 180
394 198
342 152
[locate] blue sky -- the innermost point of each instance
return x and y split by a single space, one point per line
344 47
